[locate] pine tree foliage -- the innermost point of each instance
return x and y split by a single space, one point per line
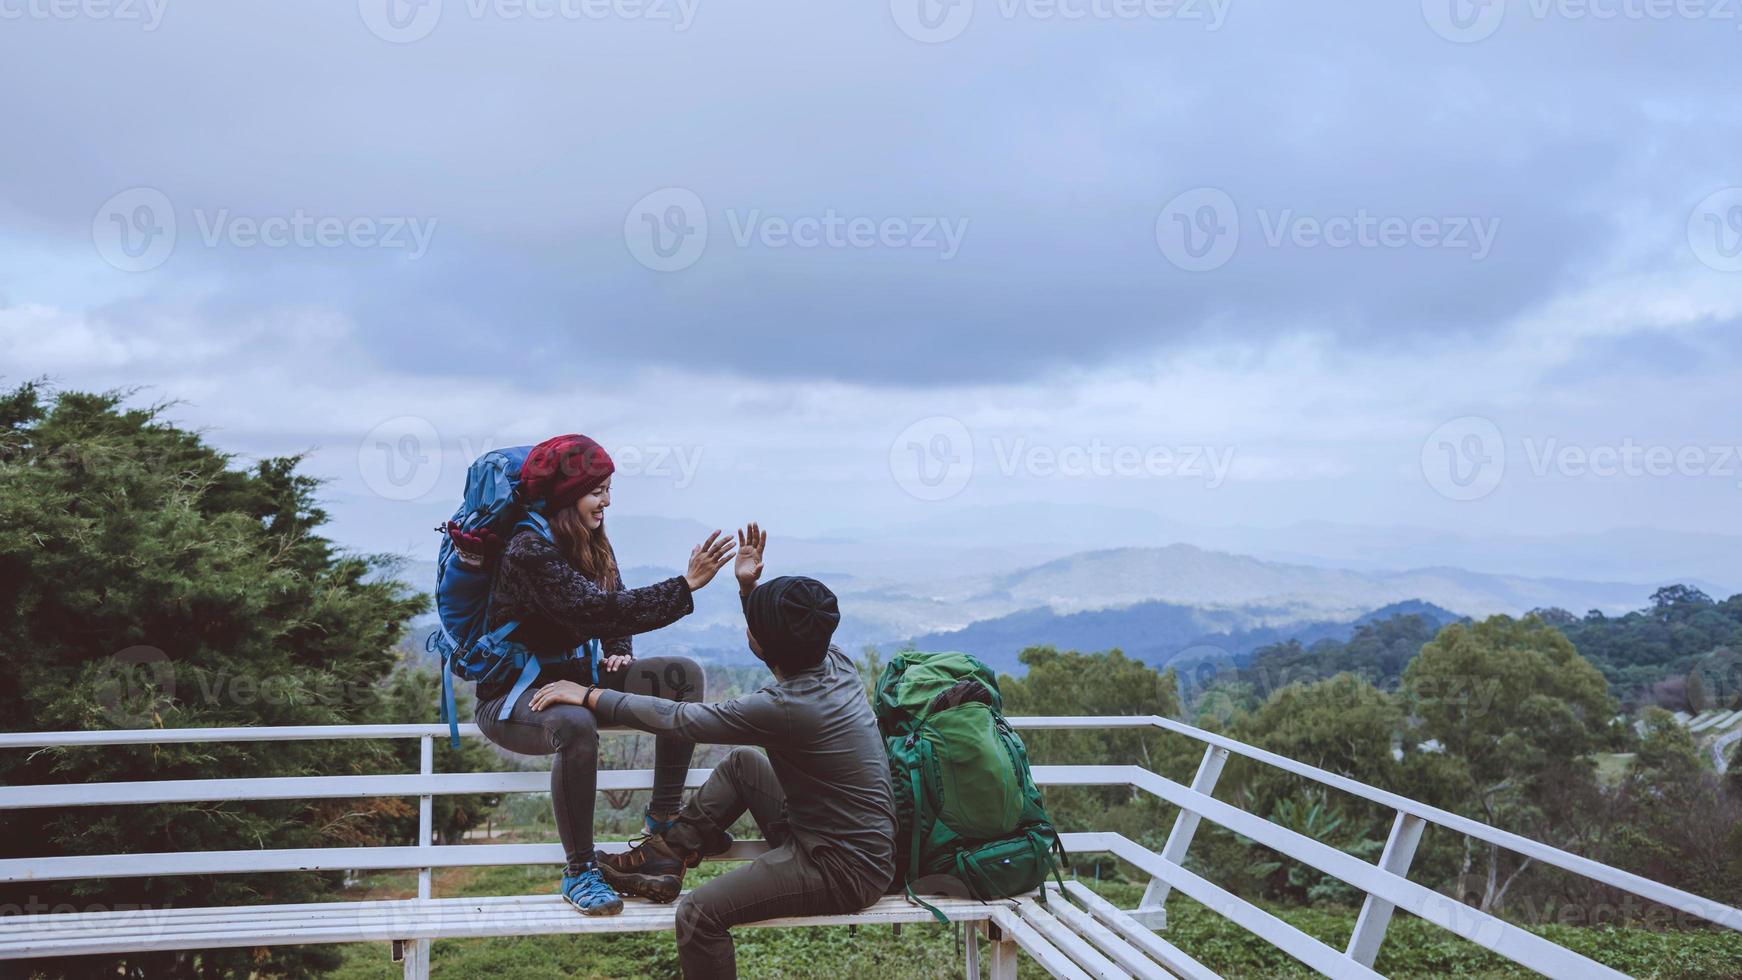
148 580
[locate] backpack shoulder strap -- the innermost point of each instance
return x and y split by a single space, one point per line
535 522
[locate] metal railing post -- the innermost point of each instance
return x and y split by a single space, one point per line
417 958
1151 910
1376 912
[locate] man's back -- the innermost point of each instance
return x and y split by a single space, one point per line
835 773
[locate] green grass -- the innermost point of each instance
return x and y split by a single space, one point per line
1413 948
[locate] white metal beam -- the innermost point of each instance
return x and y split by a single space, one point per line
1330 962
1092 960
1375 914
1129 958
400 920
1152 910
1035 945
1167 954
307 859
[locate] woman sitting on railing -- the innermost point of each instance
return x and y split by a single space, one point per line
565 593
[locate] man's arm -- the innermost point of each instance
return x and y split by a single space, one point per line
755 719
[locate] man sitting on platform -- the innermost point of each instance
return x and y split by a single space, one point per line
821 796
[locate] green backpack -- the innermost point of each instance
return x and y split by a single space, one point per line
966 801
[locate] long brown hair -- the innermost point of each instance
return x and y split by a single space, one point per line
586 549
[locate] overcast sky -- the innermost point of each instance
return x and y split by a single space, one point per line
838 265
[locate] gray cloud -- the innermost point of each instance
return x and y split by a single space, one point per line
525 144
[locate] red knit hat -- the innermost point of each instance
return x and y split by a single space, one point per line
563 469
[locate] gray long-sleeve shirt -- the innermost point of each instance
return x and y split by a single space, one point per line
823 743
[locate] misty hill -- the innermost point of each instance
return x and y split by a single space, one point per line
1157 633
1189 575
1709 560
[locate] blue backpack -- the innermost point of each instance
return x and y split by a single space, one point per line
462 594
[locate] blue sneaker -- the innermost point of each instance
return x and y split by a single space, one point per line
588 892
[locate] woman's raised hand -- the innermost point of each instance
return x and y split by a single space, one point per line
706 559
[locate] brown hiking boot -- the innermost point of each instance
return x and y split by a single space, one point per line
650 869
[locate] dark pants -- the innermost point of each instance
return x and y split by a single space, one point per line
572 733
784 881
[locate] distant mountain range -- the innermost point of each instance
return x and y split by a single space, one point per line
1158 633
1711 560
1154 602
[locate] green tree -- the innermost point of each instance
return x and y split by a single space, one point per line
145 582
1342 724
1515 715
410 698
1109 683
870 664
1676 822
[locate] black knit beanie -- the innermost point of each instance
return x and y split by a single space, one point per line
792 618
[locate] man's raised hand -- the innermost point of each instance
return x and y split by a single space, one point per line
752 541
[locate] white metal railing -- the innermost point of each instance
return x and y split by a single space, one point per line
1384 884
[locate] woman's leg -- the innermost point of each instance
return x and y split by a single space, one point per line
570 732
675 679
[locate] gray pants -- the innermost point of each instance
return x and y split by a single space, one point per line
784 881
571 732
